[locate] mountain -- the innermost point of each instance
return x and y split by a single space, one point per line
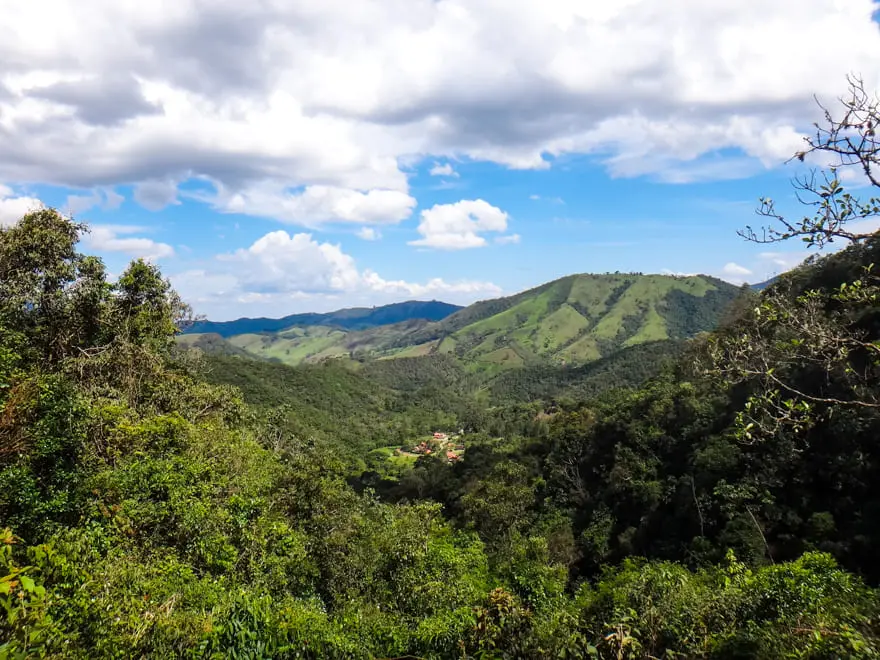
355 318
575 320
760 286
299 344
570 321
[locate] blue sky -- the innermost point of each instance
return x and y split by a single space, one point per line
417 149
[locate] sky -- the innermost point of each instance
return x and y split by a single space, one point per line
282 156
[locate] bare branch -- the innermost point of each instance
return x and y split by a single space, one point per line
851 140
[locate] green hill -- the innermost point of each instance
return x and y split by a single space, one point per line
308 344
571 321
355 318
577 319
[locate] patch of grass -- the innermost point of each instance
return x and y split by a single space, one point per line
560 327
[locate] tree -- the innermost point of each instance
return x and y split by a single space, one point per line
850 140
804 354
49 292
810 345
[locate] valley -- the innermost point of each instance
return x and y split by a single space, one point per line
634 459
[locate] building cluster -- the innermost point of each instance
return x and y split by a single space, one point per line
440 442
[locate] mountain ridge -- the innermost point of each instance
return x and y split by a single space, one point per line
575 319
349 318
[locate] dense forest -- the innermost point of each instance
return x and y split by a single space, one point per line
714 498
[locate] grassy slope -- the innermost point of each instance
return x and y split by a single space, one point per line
315 343
582 318
573 320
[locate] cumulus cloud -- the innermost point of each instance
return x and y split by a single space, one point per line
317 205
735 273
443 170
278 262
735 270
866 226
88 98
279 271
505 240
458 226
298 94
117 238
13 207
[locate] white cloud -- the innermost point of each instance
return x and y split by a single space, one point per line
156 195
443 170
735 270
764 266
108 200
112 200
782 261
13 207
866 226
116 238
77 204
298 94
368 234
317 205
458 226
280 273
510 238
278 262
735 273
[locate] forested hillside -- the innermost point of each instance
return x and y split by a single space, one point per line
710 498
571 321
310 344
578 319
353 409
355 318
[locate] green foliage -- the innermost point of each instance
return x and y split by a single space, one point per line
157 501
348 409
581 318
806 608
628 367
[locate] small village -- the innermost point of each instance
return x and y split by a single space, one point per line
448 445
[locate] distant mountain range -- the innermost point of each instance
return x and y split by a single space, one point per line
760 286
570 321
354 318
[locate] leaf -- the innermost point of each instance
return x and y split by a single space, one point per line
27 583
